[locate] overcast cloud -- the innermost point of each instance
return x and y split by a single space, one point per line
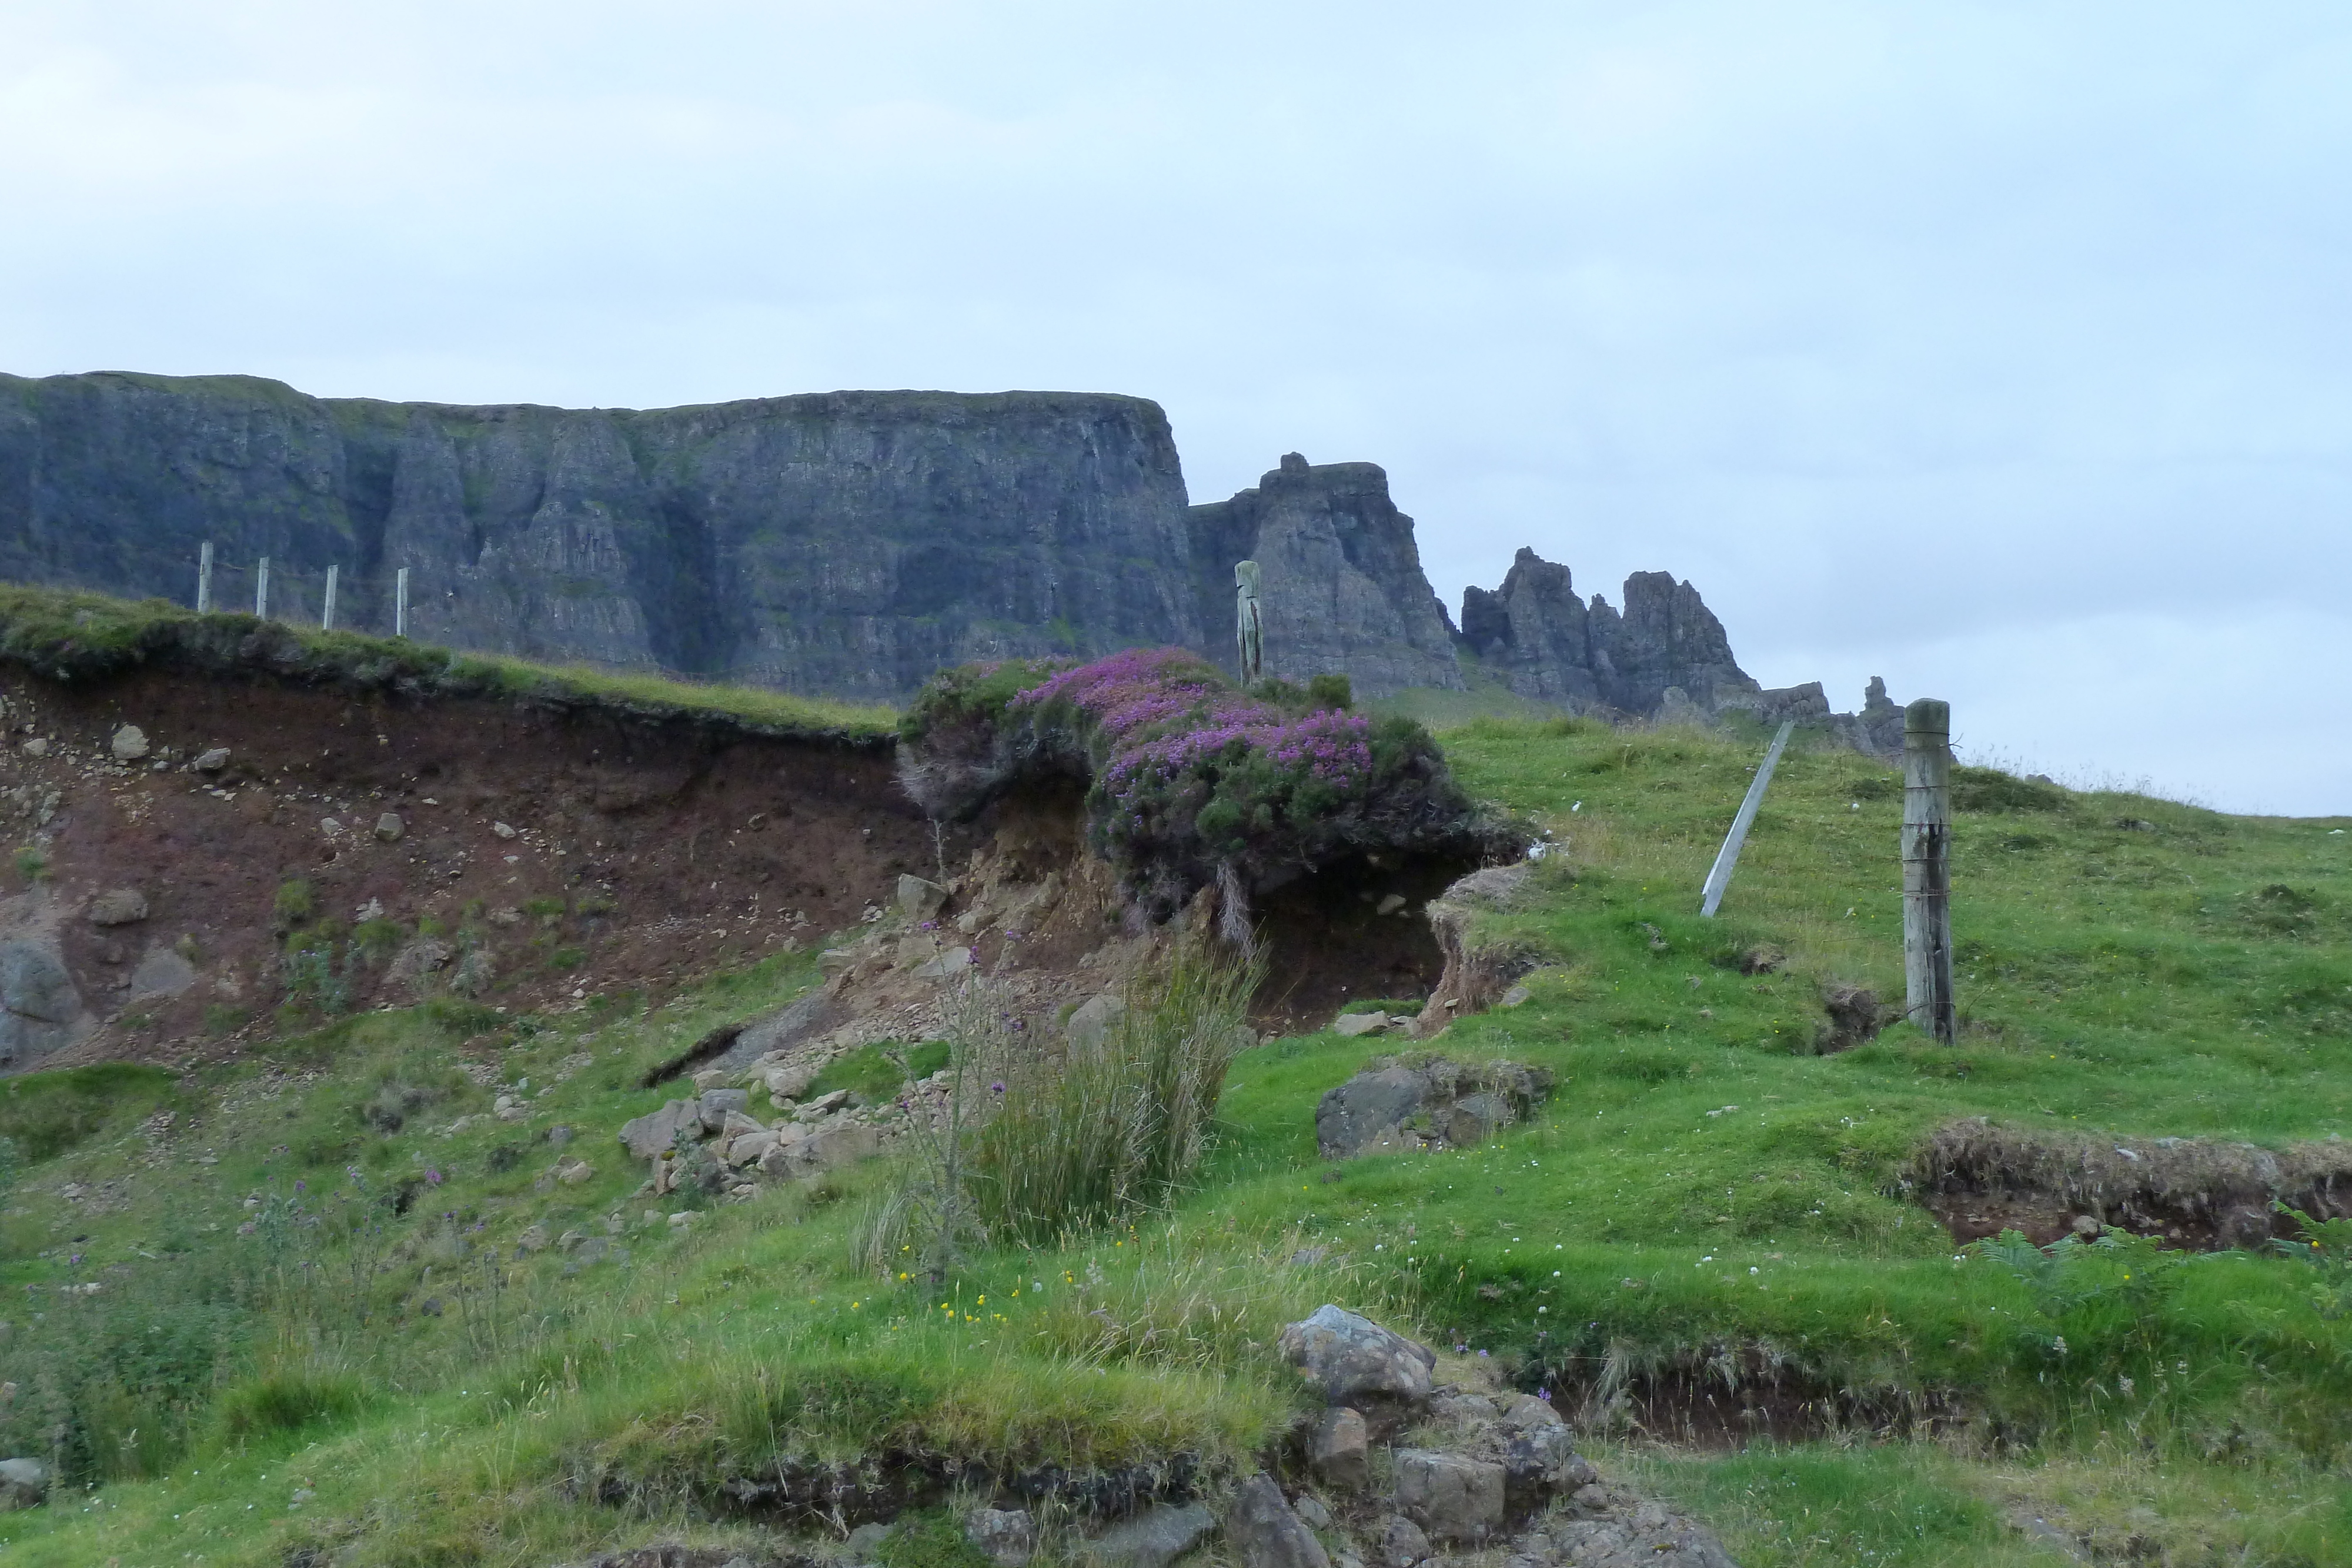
1999 348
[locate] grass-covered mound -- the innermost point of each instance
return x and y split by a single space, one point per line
67 635
1189 780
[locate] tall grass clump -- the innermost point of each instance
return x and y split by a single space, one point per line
1115 1125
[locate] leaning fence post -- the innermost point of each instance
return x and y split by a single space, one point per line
327 611
1926 872
205 578
261 590
1720 877
400 602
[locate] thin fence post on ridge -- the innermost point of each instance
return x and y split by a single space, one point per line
205 578
1718 878
400 602
327 609
261 590
1927 869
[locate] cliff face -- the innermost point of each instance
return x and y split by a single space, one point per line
846 543
842 544
1343 589
1548 645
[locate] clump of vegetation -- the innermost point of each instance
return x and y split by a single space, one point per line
1117 1125
876 1072
1189 780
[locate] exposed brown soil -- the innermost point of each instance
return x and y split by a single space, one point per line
643 853
1980 1179
546 854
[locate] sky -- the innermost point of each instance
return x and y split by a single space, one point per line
2002 349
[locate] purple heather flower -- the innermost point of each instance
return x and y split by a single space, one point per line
997 1088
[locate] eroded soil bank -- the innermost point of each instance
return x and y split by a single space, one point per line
521 852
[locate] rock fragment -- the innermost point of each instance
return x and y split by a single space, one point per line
1265 1533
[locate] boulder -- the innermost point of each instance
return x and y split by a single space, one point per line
919 900
750 1146
735 1123
1539 1463
864 1542
1265 1533
572 1172
1008 1537
711 1078
40 1010
213 760
829 1148
1358 1111
1340 1449
787 1083
1093 1019
1393 1106
1525 1413
1152 1539
1359 1364
715 1103
954 961
824 1104
1352 1026
1400 1544
117 906
1449 1497
1648 1537
389 827
646 1136
129 744
23 1482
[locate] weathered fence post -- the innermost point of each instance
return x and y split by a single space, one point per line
261 590
327 611
205 578
400 602
1926 872
1720 877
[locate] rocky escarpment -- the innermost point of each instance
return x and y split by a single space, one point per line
841 544
845 543
1343 588
1547 644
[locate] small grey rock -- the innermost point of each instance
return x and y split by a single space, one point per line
1265 1532
118 907
647 1136
864 1542
1350 1026
1009 1536
1402 1543
716 1103
1450 1497
130 743
1340 1449
1152 1539
919 900
214 761
1310 1510
1093 1019
389 827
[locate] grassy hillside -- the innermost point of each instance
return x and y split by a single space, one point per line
312 1328
65 634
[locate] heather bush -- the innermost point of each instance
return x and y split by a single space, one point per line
1189 780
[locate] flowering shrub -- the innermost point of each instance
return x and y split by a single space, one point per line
1188 778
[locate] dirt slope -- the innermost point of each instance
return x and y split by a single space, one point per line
642 848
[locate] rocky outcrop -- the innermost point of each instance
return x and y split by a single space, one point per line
1549 645
843 543
1342 587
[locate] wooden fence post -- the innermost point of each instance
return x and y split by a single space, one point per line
1720 877
204 579
400 602
1927 871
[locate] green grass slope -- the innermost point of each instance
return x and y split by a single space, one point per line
323 1318
65 634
